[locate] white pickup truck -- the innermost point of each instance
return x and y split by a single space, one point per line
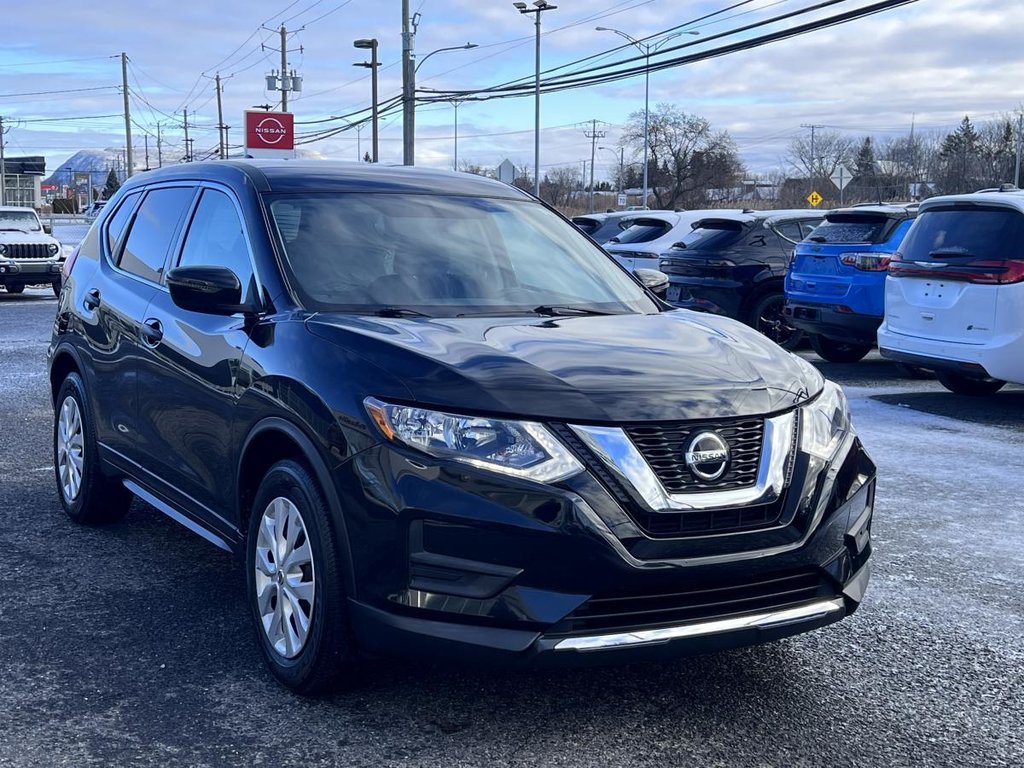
28 254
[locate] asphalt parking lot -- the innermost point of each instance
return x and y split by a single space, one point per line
130 644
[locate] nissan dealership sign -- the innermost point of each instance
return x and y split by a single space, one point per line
269 134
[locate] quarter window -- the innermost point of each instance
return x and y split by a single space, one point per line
117 223
216 238
152 231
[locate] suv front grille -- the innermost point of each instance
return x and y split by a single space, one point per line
664 447
705 603
28 251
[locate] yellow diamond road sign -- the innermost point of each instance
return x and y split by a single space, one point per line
814 199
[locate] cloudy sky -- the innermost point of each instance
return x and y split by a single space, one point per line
930 62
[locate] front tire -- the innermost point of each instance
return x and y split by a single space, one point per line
87 495
56 285
15 288
835 351
767 319
965 385
296 584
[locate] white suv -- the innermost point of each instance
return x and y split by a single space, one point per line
29 255
954 297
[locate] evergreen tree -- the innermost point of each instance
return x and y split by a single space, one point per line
111 186
865 161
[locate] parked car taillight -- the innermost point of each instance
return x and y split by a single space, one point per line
869 262
978 271
69 262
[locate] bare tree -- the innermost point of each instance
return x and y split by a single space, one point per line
560 185
820 159
686 157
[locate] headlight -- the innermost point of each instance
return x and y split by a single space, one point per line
54 249
518 448
826 421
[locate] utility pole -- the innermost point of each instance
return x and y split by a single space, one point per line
287 81
188 153
284 68
593 135
221 141
127 115
159 149
3 165
145 138
1020 140
408 89
812 167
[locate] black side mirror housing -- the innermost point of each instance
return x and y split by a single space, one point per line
48 229
653 280
210 290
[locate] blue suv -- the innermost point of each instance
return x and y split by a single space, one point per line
835 284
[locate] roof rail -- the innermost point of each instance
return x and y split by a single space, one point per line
1000 188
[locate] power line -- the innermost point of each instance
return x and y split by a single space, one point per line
62 90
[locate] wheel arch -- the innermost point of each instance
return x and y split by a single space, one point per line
275 439
65 361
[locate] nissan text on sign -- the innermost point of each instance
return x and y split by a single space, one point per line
269 134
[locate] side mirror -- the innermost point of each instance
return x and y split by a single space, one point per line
48 229
210 290
653 280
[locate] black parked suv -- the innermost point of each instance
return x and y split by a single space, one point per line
432 417
734 264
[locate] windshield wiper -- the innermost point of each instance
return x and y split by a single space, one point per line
556 311
818 239
14 229
398 312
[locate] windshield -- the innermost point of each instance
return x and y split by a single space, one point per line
975 233
643 231
852 228
24 221
443 256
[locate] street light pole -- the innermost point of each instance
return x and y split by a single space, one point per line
622 166
539 7
412 148
371 44
646 49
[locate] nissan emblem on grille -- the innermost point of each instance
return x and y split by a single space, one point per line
707 456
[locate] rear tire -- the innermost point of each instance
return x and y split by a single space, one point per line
15 288
965 385
838 351
767 319
296 587
87 495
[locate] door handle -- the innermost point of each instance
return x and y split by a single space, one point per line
92 299
152 332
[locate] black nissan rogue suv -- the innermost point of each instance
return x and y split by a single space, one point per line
432 417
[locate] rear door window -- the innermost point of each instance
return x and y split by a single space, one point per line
852 228
790 230
153 230
944 234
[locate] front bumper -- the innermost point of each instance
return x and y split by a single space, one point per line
565 576
28 271
826 320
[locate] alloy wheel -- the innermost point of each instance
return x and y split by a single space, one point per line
285 577
70 449
772 323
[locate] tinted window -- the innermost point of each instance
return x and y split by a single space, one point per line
150 236
590 226
713 234
117 222
216 237
790 230
443 256
852 228
974 233
643 231
809 225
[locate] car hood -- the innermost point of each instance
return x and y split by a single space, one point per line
29 238
675 365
